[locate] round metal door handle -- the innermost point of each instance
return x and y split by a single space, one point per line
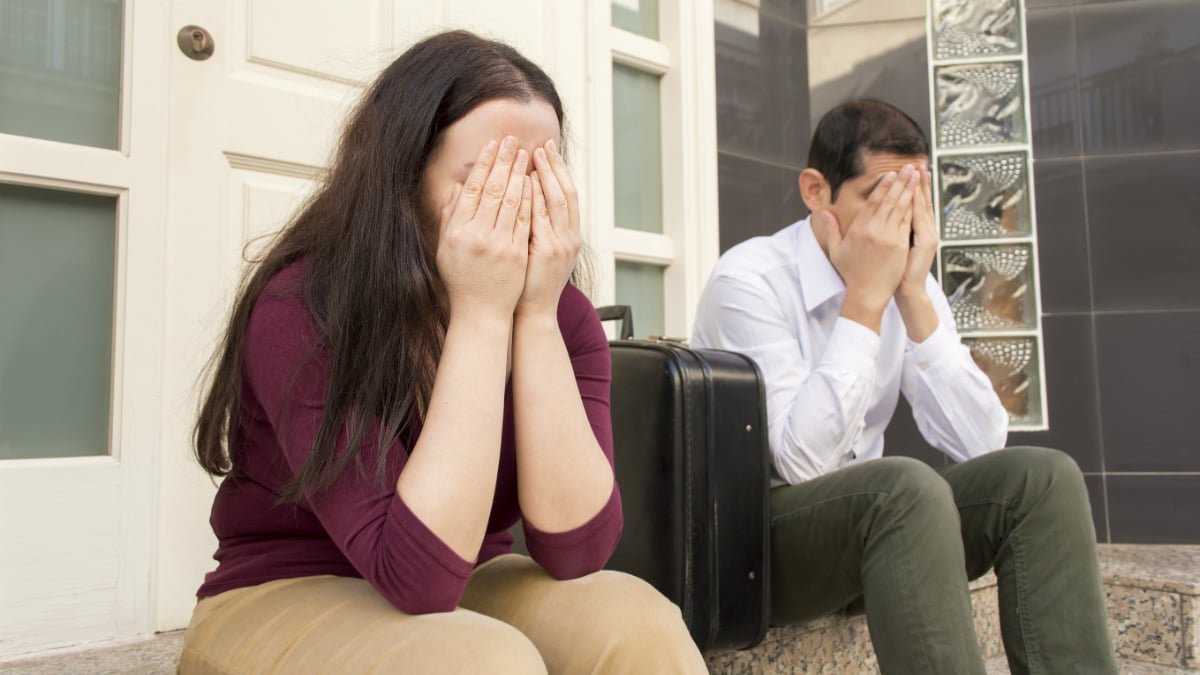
195 42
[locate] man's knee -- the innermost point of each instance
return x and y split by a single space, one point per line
1044 473
912 484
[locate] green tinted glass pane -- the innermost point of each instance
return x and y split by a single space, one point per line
636 16
60 70
641 287
637 150
57 257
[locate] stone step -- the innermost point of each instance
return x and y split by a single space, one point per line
1152 594
999 666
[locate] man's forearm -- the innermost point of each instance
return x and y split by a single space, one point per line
916 309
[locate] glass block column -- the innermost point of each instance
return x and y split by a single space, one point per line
983 184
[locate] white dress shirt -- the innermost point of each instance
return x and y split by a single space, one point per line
832 383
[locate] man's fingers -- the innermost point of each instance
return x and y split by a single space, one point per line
832 229
510 201
900 210
472 190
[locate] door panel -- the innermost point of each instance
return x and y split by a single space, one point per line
77 532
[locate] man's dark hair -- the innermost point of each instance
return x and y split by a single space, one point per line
854 128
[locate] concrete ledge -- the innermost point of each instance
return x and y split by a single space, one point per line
841 644
1152 594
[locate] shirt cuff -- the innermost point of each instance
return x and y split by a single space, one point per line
853 346
428 542
939 346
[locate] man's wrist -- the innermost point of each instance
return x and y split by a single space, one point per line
864 309
911 294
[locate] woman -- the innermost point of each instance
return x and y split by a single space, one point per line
406 373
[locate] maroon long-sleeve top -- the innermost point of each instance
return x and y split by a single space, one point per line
360 527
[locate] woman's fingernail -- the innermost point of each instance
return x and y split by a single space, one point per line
553 145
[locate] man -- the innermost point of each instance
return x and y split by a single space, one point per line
841 314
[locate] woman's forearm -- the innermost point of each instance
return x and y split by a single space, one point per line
450 478
563 477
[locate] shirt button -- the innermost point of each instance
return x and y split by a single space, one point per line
923 366
862 424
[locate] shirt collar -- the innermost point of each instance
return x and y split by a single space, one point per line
818 278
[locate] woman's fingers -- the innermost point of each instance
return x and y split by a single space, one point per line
542 226
473 188
557 206
524 214
497 186
510 200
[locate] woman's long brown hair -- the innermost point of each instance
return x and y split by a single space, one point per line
370 280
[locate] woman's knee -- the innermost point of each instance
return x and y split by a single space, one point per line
631 626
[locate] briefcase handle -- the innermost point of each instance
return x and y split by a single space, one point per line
622 313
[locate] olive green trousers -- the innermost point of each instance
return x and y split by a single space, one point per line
901 540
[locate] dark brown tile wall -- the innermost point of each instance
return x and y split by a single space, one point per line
1115 107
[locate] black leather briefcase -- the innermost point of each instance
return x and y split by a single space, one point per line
690 447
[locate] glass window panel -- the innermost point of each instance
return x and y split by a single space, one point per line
637 150
990 287
60 70
1012 366
641 287
970 28
984 197
980 105
57 257
636 16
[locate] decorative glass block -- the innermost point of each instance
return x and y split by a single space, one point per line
990 287
970 28
980 105
1012 366
984 197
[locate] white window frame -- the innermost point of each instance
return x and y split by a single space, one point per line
689 245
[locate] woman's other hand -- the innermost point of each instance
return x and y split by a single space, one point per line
484 244
554 239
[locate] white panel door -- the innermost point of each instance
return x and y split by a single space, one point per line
77 507
249 130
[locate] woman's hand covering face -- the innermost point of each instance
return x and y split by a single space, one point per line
554 237
484 242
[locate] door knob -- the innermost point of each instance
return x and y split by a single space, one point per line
195 42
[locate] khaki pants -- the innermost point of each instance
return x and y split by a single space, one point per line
513 618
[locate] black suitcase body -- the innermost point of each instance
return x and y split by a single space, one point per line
690 447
